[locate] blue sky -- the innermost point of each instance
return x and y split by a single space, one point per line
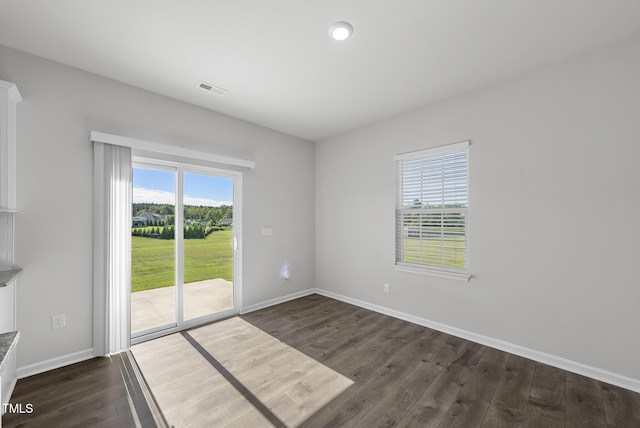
158 186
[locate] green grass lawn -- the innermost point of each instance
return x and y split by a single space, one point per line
153 260
450 254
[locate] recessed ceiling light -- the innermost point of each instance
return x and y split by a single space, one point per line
340 30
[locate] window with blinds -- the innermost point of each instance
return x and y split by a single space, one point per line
432 210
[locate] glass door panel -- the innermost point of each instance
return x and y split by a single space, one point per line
208 245
153 249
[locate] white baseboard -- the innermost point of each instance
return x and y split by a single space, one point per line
277 300
54 363
552 360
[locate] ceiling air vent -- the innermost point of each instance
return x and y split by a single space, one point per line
210 88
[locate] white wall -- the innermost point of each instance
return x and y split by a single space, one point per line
554 209
553 204
54 224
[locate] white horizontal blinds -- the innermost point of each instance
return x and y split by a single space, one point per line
432 208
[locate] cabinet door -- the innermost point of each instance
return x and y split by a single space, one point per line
7 307
8 376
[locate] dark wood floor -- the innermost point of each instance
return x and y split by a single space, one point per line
101 392
398 373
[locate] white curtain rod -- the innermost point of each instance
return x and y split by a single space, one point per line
168 149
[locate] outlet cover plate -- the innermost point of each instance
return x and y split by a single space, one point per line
57 321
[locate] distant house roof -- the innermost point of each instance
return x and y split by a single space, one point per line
226 221
139 221
152 216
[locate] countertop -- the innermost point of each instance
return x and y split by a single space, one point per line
8 341
9 275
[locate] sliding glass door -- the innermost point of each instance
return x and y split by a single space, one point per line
184 242
208 244
153 249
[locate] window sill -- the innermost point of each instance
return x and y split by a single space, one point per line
432 272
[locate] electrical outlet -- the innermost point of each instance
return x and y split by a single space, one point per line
386 288
57 321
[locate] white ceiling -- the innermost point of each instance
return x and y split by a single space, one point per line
284 72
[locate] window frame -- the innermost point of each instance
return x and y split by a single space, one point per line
438 270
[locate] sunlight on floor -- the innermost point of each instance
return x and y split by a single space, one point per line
233 374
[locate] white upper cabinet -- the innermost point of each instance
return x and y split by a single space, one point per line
9 97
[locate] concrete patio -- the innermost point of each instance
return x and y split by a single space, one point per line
155 307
